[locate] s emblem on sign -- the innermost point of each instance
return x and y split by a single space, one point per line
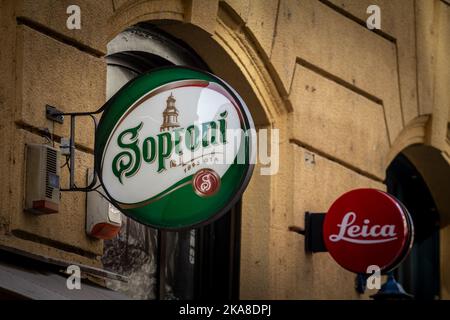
206 182
366 227
172 148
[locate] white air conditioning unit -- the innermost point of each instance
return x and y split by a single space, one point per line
42 193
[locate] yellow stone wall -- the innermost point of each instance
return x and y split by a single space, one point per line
346 99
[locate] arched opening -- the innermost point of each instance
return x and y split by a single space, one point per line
419 272
201 263
232 54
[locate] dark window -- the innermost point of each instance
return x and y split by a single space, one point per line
419 272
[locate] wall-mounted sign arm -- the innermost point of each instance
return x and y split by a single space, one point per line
171 148
58 116
312 232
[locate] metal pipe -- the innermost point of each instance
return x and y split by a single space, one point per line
158 266
72 152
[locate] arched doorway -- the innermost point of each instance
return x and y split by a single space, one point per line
419 273
231 53
433 165
201 263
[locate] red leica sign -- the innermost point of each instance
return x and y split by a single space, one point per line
367 227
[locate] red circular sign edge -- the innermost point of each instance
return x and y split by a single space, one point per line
407 234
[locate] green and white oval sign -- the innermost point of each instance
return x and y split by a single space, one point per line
173 148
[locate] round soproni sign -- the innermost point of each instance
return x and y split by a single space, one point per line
172 148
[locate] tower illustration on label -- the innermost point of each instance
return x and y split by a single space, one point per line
170 122
170 115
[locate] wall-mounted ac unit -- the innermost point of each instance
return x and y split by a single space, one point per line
42 194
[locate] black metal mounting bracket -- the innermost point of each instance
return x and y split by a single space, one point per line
312 231
56 115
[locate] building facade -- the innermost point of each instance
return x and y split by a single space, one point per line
353 106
